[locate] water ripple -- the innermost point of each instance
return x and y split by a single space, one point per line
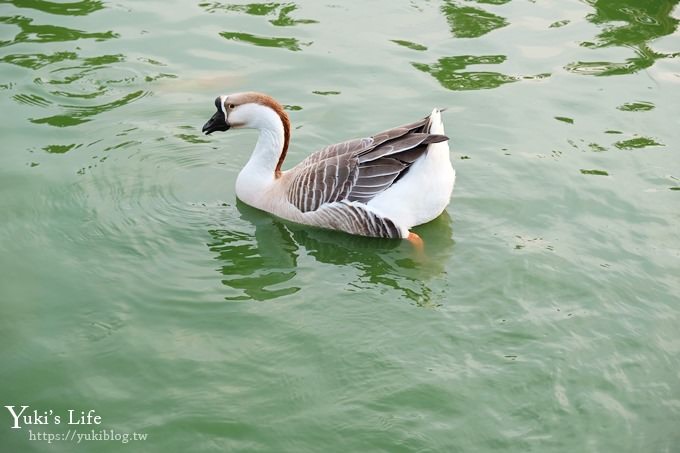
262 9
31 33
449 72
69 83
637 142
471 22
81 114
263 41
128 263
77 8
409 44
631 25
636 107
38 60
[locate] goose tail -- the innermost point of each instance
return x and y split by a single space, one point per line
436 126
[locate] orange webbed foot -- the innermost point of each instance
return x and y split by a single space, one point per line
417 242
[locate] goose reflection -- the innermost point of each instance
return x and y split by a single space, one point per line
261 265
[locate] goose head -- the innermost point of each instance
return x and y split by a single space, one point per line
247 110
255 111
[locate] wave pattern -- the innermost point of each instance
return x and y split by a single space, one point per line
542 315
630 25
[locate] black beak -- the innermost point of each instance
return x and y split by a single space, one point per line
216 123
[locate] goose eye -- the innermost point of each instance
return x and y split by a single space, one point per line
231 106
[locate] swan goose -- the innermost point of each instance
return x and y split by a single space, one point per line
378 186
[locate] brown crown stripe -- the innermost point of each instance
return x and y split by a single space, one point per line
270 102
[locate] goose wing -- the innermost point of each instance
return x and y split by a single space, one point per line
360 169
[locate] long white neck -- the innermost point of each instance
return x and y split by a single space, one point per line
259 173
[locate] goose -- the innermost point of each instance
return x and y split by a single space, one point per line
378 186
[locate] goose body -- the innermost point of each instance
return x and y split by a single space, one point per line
377 186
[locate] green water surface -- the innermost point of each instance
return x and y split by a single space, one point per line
543 317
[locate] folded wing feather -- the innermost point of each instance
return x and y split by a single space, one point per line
360 169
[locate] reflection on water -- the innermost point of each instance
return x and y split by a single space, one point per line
261 264
61 149
38 60
636 107
255 9
47 33
282 10
637 142
254 263
449 72
409 44
283 19
631 24
81 8
560 23
263 41
470 22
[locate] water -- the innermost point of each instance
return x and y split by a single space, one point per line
543 318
